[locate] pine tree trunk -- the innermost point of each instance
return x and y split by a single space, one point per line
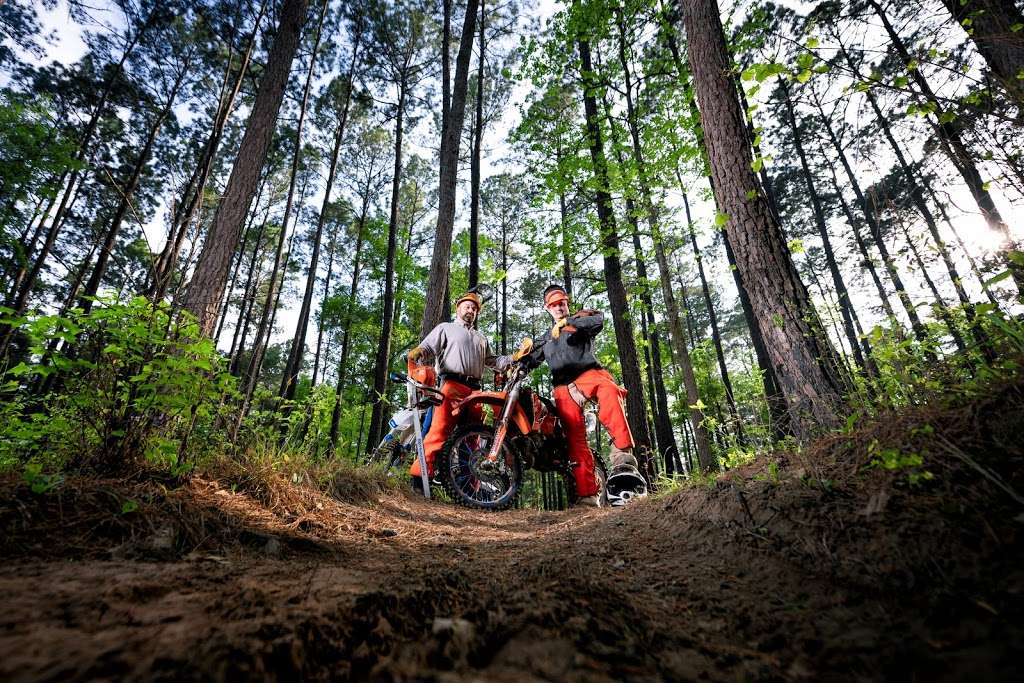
435 304
332 239
298 349
277 274
631 377
193 194
994 28
446 66
805 362
207 287
346 334
940 305
665 439
474 172
380 377
248 298
239 257
716 335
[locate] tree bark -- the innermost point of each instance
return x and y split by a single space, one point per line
435 304
210 278
193 194
806 364
994 28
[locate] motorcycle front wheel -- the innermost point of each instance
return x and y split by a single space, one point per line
467 477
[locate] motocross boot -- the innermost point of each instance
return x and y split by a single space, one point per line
625 482
623 460
593 501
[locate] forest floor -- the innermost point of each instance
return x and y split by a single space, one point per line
806 566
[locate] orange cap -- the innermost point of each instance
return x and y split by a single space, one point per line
470 296
554 296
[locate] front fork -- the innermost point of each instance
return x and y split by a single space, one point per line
501 431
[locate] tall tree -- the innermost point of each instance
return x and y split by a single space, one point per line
399 38
436 302
631 376
298 348
806 365
210 278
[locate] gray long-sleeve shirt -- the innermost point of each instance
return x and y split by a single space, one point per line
461 350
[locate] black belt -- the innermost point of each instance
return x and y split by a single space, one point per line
471 382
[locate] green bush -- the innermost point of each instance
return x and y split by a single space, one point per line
109 390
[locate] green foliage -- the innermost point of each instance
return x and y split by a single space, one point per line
895 460
125 384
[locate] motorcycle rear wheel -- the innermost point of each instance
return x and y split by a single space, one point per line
466 482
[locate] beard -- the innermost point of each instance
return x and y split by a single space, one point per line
469 318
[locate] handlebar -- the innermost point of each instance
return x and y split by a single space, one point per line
402 378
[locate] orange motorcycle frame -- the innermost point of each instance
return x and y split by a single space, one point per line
497 400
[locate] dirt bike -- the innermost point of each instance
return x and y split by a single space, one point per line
481 465
408 427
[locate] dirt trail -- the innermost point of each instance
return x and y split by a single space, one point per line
818 565
739 582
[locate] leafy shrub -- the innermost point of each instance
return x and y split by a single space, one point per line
108 390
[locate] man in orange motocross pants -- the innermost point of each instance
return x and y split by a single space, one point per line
578 377
461 354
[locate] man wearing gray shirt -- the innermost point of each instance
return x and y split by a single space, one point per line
461 353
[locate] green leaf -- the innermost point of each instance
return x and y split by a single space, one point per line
804 76
913 65
699 405
721 219
796 246
129 506
812 43
1017 28
757 164
998 278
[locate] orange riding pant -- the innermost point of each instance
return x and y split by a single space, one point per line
443 422
599 385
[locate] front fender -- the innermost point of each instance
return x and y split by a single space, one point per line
496 399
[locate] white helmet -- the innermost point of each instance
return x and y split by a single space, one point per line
625 486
